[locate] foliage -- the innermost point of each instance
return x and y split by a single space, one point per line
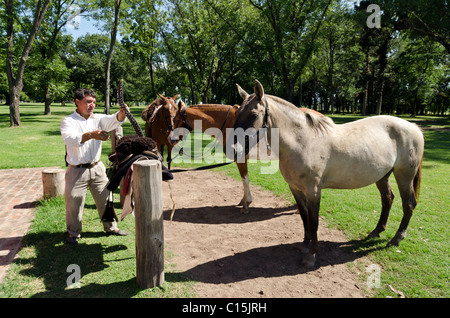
314 53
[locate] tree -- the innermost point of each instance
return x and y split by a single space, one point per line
142 25
424 18
419 64
86 60
51 72
114 29
202 47
15 77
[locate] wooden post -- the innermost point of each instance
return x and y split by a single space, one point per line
148 211
53 181
116 135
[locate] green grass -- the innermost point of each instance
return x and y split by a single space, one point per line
419 267
37 142
107 263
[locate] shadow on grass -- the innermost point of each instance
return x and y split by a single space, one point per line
53 257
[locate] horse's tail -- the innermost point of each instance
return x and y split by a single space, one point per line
417 180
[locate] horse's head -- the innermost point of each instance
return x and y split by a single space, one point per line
180 117
252 111
162 119
251 117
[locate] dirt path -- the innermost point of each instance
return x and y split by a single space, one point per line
255 255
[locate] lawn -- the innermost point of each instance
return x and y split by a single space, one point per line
419 267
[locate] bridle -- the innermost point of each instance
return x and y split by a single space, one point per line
183 119
166 119
265 125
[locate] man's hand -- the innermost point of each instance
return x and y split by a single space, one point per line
121 115
96 134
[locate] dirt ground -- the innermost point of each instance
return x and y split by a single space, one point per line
234 255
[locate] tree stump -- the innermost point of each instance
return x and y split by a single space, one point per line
53 181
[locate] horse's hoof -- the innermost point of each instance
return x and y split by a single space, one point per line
399 236
375 233
304 248
309 260
393 242
244 209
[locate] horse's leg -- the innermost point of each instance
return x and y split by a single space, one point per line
169 156
301 204
247 198
313 206
406 189
147 129
161 150
387 197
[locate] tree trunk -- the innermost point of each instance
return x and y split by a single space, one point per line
314 89
15 83
117 4
48 102
366 93
150 67
300 91
380 99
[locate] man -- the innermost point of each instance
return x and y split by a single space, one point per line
83 133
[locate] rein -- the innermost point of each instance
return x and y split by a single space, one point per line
202 168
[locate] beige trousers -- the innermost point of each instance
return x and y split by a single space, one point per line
78 180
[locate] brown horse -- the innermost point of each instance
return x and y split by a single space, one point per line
158 117
219 117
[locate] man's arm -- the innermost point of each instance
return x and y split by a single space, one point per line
121 114
96 134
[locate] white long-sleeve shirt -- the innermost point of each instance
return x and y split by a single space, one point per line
72 129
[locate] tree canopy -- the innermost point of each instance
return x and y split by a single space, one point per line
323 54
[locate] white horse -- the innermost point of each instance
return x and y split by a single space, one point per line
315 153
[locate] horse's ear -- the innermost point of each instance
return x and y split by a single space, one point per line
181 105
175 97
243 93
162 97
259 90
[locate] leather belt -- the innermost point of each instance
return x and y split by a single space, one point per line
87 165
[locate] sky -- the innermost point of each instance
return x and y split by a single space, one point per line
80 26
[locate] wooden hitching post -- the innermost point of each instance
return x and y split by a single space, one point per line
147 191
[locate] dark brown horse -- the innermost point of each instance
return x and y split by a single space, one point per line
158 117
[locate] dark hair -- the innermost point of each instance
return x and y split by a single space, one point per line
80 93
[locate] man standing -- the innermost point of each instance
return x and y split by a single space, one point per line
83 133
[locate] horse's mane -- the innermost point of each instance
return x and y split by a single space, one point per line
317 121
210 106
147 113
